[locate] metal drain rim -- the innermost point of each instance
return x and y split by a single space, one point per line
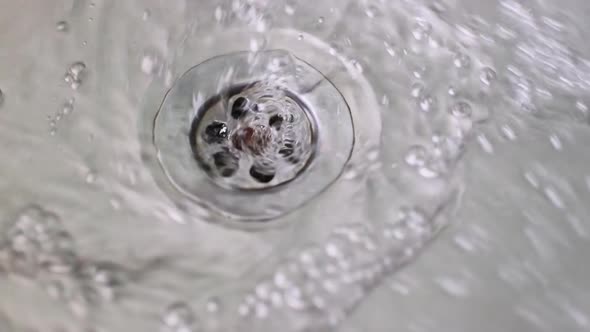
223 201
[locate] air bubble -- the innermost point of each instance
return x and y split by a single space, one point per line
462 61
371 11
179 315
416 156
508 132
62 26
556 142
75 75
68 107
487 76
77 68
90 177
213 305
417 90
452 287
289 10
389 49
149 64
321 20
426 103
218 13
461 110
421 30
1 97
485 143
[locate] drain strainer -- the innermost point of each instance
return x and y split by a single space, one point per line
253 135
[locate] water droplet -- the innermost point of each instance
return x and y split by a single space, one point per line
416 156
485 143
508 132
417 90
487 76
421 30
554 197
556 142
62 26
90 177
439 6
213 305
452 286
371 11
289 10
452 91
178 315
261 310
461 110
415 219
72 81
75 74
462 61
218 13
68 107
357 65
257 44
426 103
77 68
148 64
581 106
464 243
389 49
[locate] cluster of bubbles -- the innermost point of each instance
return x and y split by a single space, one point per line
319 285
66 109
75 74
37 246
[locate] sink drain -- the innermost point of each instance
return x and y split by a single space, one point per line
253 135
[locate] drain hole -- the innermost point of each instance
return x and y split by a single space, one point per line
239 107
259 131
216 132
258 147
262 174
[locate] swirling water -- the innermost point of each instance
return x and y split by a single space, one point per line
469 116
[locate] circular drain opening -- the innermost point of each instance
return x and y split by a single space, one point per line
253 135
